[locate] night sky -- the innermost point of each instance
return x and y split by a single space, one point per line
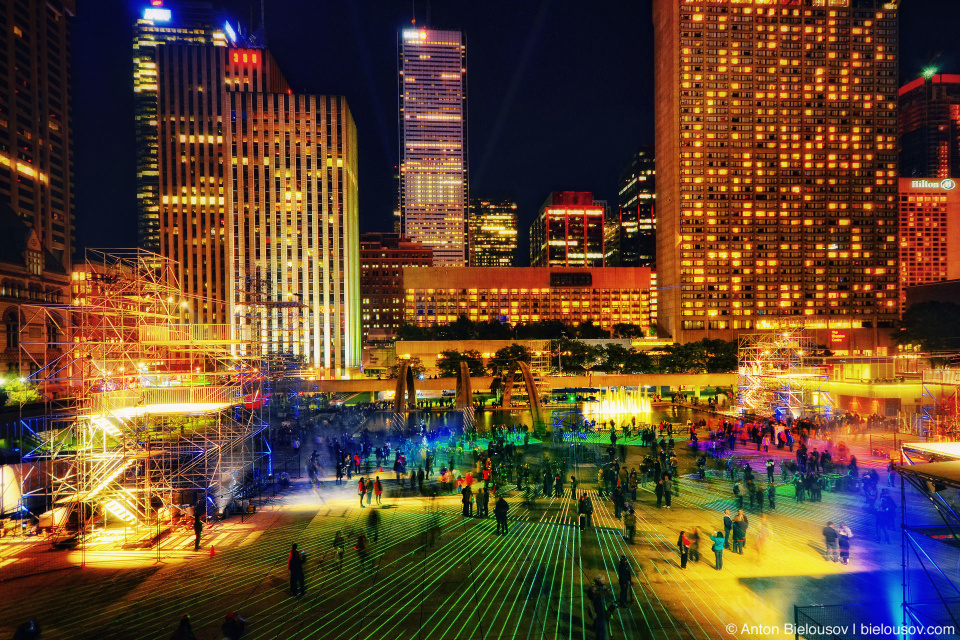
559 92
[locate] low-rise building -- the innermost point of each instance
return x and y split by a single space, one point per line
604 295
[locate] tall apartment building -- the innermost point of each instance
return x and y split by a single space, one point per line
433 141
383 256
36 153
255 188
36 180
568 232
634 220
930 127
929 233
493 232
776 160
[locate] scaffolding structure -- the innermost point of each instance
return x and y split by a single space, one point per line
146 412
774 378
940 411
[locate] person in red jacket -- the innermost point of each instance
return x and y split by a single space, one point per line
362 490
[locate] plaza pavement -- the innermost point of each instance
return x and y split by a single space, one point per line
470 583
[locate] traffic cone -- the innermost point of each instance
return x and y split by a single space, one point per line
213 551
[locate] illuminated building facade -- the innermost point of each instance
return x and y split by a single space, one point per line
36 154
776 124
433 141
633 223
606 295
929 232
293 209
568 232
383 256
493 232
256 190
930 127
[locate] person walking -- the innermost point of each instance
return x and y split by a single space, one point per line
843 542
683 546
373 524
727 528
362 490
885 514
772 496
198 513
558 486
295 566
500 513
362 547
659 492
830 538
694 537
625 576
339 547
377 488
630 525
719 541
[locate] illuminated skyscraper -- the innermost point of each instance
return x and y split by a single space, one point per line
568 232
493 232
930 127
255 188
433 141
776 156
634 220
157 26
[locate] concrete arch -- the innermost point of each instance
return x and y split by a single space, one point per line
528 381
405 384
464 388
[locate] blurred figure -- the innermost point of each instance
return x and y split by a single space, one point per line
295 566
184 631
30 630
233 626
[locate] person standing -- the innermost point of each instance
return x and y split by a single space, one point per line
198 512
573 487
617 498
500 512
770 469
683 546
830 538
420 478
740 524
843 542
295 566
377 488
483 503
466 497
727 528
630 525
667 490
632 485
772 496
588 511
659 492
719 541
184 630
885 514
362 490
625 576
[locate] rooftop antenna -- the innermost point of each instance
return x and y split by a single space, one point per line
413 20
263 26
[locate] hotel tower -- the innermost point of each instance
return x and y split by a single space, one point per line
433 142
776 162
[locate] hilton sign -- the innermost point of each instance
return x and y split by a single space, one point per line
944 185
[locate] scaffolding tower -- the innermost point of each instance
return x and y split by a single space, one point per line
941 402
774 378
145 411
